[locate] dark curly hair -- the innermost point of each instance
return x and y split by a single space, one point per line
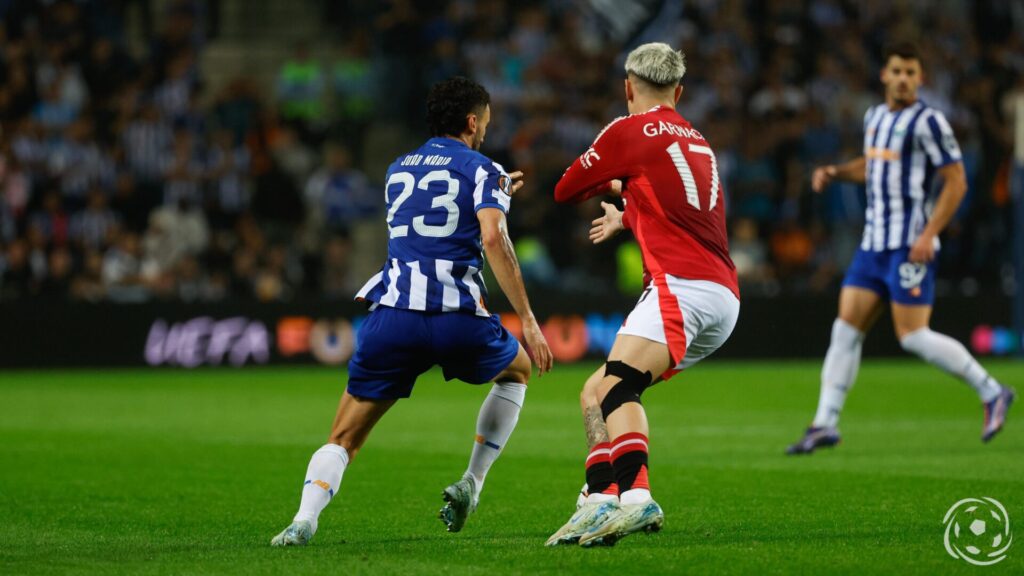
905 50
450 101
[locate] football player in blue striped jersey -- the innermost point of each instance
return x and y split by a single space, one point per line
446 207
907 145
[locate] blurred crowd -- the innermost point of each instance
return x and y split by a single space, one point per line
122 179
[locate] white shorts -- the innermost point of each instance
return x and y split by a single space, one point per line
692 317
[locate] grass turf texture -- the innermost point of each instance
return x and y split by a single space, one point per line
160 472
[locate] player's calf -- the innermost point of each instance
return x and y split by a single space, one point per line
323 478
951 356
629 460
628 451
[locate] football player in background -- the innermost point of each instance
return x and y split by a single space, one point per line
446 207
907 143
667 175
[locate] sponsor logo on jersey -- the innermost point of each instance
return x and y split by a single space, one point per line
589 157
873 153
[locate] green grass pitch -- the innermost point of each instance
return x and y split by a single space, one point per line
192 472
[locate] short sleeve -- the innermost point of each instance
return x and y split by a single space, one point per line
867 117
937 140
493 187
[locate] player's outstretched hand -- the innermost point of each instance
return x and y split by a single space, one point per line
517 181
822 177
606 226
538 346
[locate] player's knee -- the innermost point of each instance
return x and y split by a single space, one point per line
629 387
519 371
916 342
521 376
845 334
589 394
589 399
347 441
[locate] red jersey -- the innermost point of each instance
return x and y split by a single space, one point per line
674 202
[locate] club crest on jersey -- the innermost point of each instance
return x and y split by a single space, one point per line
949 143
504 184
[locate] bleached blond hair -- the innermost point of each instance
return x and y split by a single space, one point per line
657 63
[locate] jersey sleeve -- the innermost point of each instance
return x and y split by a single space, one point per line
591 173
492 186
938 140
867 117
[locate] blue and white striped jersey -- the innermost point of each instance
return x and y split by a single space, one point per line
903 150
435 256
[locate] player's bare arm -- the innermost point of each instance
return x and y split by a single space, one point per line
608 225
954 189
852 171
502 257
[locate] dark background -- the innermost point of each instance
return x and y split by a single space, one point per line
179 158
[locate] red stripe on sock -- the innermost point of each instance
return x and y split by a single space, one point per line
612 490
629 436
599 453
631 442
641 480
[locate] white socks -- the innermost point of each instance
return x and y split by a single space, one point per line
323 476
498 416
843 360
951 356
635 496
839 372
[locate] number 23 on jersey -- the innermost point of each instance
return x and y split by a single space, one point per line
404 183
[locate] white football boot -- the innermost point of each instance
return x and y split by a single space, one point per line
296 534
587 516
627 519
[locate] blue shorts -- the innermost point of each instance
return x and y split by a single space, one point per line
892 277
395 346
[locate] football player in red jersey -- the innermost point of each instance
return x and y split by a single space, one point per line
674 204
